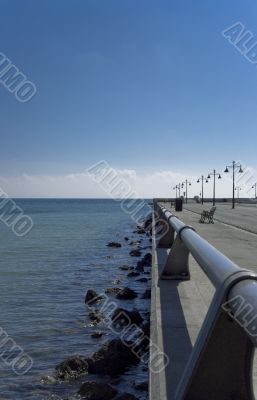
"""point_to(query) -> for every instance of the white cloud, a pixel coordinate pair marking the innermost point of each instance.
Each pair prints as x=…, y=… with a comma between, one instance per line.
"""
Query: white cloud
x=81, y=185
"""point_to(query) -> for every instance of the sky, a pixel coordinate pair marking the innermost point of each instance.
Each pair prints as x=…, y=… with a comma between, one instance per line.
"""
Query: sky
x=151, y=87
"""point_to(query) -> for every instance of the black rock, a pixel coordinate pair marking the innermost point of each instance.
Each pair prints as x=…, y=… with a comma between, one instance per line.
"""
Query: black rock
x=124, y=267
x=146, y=329
x=96, y=316
x=126, y=238
x=145, y=262
x=126, y=396
x=142, y=280
x=72, y=368
x=126, y=294
x=134, y=243
x=135, y=253
x=113, y=290
x=140, y=230
x=142, y=386
x=114, y=244
x=112, y=359
x=97, y=335
x=97, y=391
x=125, y=317
x=92, y=297
x=133, y=274
x=147, y=294
x=148, y=223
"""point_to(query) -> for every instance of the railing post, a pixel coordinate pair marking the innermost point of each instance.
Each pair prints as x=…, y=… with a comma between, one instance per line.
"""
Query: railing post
x=220, y=366
x=176, y=266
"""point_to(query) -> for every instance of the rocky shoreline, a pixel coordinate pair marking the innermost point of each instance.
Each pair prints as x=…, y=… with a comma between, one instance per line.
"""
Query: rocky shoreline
x=130, y=328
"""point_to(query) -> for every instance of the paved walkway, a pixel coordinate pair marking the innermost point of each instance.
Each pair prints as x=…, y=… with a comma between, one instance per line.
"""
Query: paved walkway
x=243, y=216
x=179, y=308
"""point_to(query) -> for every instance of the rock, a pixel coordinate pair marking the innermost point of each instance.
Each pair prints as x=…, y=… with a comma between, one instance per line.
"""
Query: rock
x=147, y=294
x=126, y=238
x=139, y=230
x=126, y=294
x=114, y=244
x=139, y=267
x=116, y=282
x=96, y=316
x=72, y=368
x=145, y=262
x=113, y=358
x=143, y=280
x=134, y=242
x=124, y=267
x=97, y=335
x=92, y=297
x=113, y=290
x=146, y=329
x=132, y=274
x=97, y=391
x=143, y=386
x=125, y=317
x=148, y=223
x=126, y=396
x=135, y=253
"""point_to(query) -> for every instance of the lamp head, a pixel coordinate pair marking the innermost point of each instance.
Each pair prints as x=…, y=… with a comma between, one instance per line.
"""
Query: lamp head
x=219, y=177
x=198, y=180
x=240, y=169
x=209, y=176
x=226, y=170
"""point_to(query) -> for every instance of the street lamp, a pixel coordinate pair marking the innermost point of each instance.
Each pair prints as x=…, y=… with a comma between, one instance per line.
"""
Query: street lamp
x=255, y=190
x=186, y=183
x=214, y=173
x=198, y=181
x=234, y=166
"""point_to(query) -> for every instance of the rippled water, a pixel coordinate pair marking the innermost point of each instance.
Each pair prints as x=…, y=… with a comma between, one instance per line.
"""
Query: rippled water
x=43, y=280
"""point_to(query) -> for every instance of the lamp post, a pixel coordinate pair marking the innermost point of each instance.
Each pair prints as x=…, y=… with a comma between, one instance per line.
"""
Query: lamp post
x=255, y=190
x=187, y=183
x=214, y=173
x=177, y=187
x=234, y=166
x=237, y=188
x=198, y=181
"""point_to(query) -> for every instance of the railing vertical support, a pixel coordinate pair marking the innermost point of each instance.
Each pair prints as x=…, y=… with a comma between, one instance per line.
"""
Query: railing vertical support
x=176, y=266
x=220, y=366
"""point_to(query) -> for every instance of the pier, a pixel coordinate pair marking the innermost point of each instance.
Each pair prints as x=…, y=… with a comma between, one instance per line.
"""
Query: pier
x=200, y=274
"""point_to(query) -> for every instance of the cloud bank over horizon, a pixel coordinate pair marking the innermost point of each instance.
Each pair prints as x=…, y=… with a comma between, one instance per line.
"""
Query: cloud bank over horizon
x=145, y=185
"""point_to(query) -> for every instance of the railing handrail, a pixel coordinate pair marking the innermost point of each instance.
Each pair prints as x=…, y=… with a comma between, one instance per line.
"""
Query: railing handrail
x=216, y=265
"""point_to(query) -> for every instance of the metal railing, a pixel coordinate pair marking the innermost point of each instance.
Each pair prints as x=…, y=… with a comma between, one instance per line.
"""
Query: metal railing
x=220, y=366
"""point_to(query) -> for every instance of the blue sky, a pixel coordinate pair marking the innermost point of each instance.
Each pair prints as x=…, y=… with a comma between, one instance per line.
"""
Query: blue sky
x=146, y=85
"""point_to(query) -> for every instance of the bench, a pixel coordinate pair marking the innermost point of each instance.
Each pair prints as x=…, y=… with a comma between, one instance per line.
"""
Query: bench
x=207, y=215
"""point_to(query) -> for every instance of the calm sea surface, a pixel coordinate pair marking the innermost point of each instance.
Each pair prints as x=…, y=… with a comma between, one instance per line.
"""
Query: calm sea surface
x=43, y=280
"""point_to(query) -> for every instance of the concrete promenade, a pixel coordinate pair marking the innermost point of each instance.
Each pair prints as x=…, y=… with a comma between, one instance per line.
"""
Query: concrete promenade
x=179, y=307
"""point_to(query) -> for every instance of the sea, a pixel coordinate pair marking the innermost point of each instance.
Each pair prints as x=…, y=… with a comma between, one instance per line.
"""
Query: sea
x=44, y=277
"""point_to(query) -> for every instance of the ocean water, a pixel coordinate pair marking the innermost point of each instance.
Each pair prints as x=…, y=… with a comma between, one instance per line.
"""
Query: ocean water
x=43, y=280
